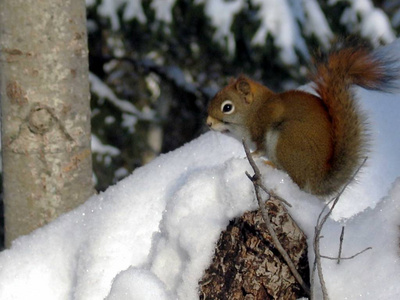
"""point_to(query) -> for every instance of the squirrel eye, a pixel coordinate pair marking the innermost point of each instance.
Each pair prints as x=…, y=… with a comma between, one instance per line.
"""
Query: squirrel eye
x=227, y=107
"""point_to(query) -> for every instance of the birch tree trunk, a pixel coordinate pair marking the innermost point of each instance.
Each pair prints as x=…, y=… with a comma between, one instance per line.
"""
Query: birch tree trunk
x=45, y=102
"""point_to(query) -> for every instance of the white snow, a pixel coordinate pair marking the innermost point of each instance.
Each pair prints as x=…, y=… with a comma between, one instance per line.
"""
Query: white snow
x=109, y=8
x=137, y=284
x=278, y=19
x=370, y=22
x=152, y=235
x=163, y=9
x=133, y=9
x=99, y=147
x=284, y=20
x=315, y=22
x=105, y=93
x=221, y=14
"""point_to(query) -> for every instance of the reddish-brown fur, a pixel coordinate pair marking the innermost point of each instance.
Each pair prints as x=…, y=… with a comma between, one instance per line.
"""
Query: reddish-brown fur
x=318, y=140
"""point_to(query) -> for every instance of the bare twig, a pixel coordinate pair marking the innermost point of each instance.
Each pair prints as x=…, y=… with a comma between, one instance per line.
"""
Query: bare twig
x=340, y=245
x=318, y=266
x=346, y=258
x=257, y=176
x=275, y=196
x=317, y=236
x=256, y=180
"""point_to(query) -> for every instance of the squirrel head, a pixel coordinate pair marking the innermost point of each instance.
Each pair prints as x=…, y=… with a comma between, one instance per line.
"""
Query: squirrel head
x=227, y=110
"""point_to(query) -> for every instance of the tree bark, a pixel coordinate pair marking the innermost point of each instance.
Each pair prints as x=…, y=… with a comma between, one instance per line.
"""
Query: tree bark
x=45, y=102
x=246, y=264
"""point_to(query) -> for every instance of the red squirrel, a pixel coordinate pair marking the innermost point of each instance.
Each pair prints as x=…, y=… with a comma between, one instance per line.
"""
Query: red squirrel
x=320, y=141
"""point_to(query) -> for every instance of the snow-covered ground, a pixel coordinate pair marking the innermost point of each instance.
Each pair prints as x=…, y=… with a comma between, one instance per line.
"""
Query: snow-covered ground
x=152, y=235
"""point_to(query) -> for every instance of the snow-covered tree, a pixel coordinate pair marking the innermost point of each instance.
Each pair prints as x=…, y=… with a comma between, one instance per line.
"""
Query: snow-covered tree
x=155, y=64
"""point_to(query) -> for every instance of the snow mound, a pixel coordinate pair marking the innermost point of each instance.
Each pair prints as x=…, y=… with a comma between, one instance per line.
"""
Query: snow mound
x=152, y=235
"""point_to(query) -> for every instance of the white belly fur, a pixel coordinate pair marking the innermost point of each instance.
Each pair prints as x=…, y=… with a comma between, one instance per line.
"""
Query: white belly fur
x=271, y=141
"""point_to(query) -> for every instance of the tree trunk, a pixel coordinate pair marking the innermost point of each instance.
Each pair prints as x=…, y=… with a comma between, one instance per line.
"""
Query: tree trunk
x=45, y=102
x=246, y=264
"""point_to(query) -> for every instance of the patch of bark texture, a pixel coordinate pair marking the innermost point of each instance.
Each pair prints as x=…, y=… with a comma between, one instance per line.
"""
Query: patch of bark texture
x=246, y=264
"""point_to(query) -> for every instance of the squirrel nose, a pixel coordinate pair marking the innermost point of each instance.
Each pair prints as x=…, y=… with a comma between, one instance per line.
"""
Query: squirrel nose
x=209, y=121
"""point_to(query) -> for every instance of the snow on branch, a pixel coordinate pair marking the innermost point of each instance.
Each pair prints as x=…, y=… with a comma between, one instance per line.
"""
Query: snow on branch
x=103, y=91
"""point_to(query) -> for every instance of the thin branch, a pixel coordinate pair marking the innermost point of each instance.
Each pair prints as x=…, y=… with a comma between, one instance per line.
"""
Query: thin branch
x=275, y=196
x=317, y=235
x=257, y=172
x=346, y=258
x=256, y=180
x=318, y=266
x=257, y=176
x=340, y=245
x=336, y=199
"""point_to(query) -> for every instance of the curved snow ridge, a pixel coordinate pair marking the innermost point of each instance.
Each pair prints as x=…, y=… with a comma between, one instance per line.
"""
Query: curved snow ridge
x=152, y=235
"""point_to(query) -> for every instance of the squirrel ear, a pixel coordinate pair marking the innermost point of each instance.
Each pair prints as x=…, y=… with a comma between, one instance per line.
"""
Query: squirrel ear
x=232, y=80
x=243, y=87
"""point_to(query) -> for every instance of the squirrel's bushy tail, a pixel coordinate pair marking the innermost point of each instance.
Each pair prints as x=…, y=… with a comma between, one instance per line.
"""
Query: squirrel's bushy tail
x=333, y=78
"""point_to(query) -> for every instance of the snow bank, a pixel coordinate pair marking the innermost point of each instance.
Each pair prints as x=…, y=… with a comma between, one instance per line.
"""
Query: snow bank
x=152, y=235
x=79, y=255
